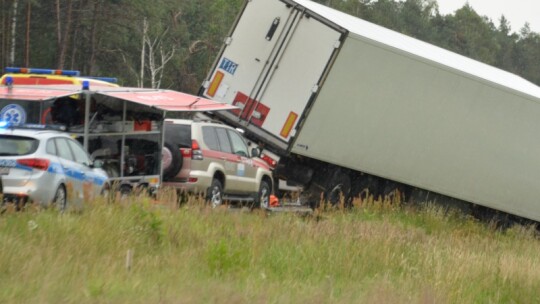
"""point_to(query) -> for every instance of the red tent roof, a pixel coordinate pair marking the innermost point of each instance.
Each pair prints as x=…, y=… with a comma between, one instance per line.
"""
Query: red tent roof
x=166, y=100
x=36, y=93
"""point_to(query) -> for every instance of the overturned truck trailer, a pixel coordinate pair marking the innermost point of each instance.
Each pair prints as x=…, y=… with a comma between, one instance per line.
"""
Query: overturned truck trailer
x=339, y=99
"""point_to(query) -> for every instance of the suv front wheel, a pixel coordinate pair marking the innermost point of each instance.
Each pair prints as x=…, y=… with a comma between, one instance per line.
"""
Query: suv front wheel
x=215, y=193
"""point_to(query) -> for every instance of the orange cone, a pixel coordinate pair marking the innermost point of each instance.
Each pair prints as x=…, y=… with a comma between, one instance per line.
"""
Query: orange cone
x=274, y=201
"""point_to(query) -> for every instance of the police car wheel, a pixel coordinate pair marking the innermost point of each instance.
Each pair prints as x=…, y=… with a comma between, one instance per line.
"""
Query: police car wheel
x=60, y=198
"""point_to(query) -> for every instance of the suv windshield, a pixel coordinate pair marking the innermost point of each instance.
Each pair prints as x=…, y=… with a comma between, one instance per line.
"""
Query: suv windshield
x=17, y=145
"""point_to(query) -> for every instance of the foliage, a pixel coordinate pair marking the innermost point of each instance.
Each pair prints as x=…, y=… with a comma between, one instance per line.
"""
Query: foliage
x=137, y=251
x=105, y=37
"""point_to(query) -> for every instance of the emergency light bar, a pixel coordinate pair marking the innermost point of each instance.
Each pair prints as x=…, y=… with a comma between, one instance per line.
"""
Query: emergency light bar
x=74, y=73
x=42, y=71
x=7, y=125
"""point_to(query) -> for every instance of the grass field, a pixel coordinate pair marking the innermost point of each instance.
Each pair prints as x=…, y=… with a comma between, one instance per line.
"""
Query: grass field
x=137, y=251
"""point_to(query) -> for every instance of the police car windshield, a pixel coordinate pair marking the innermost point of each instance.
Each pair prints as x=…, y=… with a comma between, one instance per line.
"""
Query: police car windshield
x=17, y=145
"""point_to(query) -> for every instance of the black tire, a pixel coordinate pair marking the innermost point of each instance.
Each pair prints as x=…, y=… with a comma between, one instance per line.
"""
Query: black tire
x=366, y=186
x=60, y=198
x=106, y=192
x=214, y=195
x=125, y=190
x=263, y=196
x=111, y=168
x=394, y=191
x=171, y=168
x=338, y=187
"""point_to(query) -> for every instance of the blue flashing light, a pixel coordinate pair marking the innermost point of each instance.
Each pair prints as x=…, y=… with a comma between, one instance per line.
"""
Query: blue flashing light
x=42, y=71
x=12, y=70
x=9, y=81
x=3, y=124
x=106, y=79
x=86, y=85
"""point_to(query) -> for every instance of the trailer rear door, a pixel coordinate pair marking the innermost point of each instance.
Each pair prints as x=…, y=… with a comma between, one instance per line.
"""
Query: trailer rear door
x=273, y=42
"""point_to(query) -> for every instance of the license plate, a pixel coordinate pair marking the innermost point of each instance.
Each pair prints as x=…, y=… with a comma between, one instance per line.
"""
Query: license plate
x=4, y=170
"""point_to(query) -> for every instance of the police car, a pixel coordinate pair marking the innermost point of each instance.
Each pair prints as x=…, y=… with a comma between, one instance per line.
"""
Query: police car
x=46, y=167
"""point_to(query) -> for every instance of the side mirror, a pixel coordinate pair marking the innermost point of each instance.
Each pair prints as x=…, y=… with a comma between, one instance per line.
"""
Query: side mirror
x=98, y=163
x=255, y=152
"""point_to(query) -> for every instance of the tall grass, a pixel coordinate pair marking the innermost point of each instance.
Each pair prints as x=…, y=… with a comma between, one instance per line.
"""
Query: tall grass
x=138, y=251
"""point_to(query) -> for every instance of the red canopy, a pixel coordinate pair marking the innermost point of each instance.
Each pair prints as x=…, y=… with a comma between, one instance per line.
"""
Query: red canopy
x=166, y=100
x=36, y=93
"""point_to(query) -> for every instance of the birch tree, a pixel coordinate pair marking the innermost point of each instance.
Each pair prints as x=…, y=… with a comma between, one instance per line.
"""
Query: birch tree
x=27, y=40
x=63, y=31
x=158, y=55
x=143, y=52
x=13, y=31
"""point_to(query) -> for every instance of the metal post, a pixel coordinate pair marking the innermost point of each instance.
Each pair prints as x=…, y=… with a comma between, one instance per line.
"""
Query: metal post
x=161, y=144
x=86, y=134
x=123, y=140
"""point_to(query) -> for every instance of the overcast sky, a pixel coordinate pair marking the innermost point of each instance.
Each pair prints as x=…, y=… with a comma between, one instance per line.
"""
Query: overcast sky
x=516, y=11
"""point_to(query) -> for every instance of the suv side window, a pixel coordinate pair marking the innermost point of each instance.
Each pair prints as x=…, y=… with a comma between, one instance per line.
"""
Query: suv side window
x=63, y=149
x=223, y=139
x=239, y=145
x=210, y=138
x=81, y=156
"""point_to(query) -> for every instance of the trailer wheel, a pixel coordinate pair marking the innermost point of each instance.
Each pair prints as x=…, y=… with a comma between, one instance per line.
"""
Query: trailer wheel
x=396, y=192
x=338, y=189
x=171, y=160
x=111, y=168
x=365, y=186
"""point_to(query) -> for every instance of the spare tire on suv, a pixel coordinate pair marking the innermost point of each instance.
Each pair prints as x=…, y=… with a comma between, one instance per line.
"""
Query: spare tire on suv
x=171, y=159
x=177, y=136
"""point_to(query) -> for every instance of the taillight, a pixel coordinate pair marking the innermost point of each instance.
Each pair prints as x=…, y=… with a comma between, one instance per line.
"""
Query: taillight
x=270, y=161
x=35, y=163
x=196, y=152
x=186, y=152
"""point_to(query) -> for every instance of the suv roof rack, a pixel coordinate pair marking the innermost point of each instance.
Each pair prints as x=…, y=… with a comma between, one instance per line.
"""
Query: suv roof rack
x=207, y=120
x=203, y=118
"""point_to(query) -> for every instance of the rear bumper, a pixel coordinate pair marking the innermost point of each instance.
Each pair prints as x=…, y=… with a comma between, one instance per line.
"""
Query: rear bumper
x=201, y=185
x=38, y=195
x=14, y=199
x=40, y=190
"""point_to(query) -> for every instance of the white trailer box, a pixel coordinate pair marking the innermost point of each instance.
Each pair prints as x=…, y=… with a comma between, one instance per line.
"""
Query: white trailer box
x=318, y=86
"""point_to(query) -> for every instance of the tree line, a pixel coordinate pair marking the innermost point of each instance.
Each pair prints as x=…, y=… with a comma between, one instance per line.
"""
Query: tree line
x=173, y=43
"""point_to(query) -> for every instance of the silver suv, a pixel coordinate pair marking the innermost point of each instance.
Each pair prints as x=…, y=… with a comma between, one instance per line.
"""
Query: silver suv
x=214, y=159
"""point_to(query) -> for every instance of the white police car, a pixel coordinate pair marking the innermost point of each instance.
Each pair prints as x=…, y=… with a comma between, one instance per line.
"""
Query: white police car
x=46, y=167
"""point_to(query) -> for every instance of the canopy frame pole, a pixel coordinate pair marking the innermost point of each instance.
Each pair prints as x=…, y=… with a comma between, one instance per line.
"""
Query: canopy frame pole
x=162, y=144
x=86, y=133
